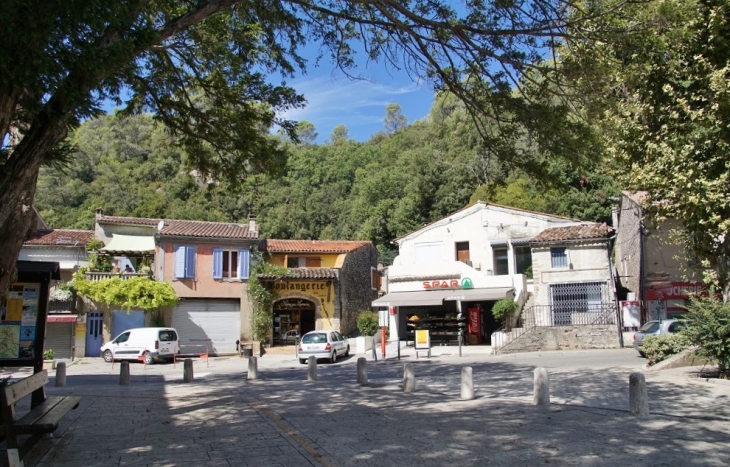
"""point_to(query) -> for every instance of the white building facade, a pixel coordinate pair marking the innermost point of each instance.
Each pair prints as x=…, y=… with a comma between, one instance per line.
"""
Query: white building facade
x=452, y=271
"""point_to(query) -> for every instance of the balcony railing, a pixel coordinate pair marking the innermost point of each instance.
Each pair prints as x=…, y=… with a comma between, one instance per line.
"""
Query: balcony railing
x=96, y=276
x=55, y=306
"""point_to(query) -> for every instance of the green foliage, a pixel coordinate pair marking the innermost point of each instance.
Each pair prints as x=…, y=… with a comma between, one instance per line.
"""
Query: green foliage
x=708, y=326
x=98, y=262
x=48, y=354
x=94, y=244
x=262, y=298
x=367, y=323
x=137, y=292
x=658, y=348
x=657, y=90
x=504, y=309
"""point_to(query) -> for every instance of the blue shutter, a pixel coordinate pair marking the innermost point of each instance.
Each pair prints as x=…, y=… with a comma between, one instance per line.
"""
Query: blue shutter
x=190, y=262
x=179, y=262
x=217, y=263
x=243, y=266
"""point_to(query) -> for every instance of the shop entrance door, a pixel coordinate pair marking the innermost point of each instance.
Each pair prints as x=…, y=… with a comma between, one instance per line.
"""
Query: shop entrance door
x=292, y=319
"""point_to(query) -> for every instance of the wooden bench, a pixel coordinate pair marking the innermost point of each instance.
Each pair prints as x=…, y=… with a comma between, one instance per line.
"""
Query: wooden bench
x=43, y=418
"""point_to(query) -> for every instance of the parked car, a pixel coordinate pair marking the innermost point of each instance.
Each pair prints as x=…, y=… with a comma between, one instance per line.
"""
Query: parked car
x=142, y=344
x=656, y=328
x=291, y=336
x=326, y=345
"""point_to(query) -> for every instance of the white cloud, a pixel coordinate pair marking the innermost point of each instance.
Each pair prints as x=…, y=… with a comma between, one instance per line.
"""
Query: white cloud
x=357, y=104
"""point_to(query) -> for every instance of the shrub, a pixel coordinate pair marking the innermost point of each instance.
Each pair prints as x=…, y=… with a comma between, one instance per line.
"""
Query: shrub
x=367, y=323
x=504, y=308
x=708, y=326
x=658, y=348
x=48, y=354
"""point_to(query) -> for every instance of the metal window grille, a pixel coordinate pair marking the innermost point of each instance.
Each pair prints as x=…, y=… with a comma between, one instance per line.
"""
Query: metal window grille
x=571, y=300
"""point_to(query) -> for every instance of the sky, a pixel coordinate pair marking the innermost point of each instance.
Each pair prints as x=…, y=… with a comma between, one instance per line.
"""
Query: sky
x=334, y=99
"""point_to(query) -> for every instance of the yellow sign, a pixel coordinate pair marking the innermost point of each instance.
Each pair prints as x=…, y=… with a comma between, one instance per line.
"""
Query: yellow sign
x=423, y=339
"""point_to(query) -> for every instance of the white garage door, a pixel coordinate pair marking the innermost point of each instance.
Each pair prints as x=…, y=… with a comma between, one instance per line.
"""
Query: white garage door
x=215, y=324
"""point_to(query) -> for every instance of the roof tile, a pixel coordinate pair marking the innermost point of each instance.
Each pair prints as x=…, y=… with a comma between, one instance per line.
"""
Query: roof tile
x=313, y=246
x=574, y=232
x=185, y=228
x=60, y=237
x=302, y=273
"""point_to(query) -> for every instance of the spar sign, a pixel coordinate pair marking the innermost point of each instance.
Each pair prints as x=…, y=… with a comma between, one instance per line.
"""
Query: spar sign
x=463, y=283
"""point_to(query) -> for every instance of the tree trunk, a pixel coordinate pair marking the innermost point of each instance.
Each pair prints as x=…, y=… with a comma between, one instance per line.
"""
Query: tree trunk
x=17, y=192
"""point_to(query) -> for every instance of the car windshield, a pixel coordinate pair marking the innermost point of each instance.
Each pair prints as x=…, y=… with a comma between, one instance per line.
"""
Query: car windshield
x=314, y=338
x=651, y=326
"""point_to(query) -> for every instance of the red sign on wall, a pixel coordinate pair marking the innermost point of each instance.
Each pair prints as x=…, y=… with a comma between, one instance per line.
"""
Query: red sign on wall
x=475, y=321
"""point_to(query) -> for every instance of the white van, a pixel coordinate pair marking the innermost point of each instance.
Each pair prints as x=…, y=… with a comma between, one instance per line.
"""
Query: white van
x=142, y=344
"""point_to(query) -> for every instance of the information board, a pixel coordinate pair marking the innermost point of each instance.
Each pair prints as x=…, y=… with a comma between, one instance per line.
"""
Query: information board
x=18, y=321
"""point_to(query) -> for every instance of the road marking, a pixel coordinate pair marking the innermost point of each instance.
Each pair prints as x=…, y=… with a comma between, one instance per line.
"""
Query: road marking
x=292, y=433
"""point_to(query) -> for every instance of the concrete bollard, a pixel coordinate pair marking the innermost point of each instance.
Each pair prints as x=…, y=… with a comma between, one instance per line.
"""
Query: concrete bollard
x=409, y=378
x=362, y=370
x=467, y=384
x=542, y=387
x=638, y=398
x=312, y=369
x=124, y=373
x=188, y=375
x=253, y=368
x=61, y=374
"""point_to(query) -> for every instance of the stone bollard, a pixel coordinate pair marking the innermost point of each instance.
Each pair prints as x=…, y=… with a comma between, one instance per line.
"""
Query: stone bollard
x=467, y=384
x=253, y=368
x=124, y=373
x=542, y=387
x=638, y=398
x=188, y=376
x=312, y=369
x=362, y=370
x=409, y=378
x=61, y=374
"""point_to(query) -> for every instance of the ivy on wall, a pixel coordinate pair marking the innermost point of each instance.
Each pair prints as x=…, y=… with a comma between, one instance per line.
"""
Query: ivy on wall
x=137, y=292
x=262, y=319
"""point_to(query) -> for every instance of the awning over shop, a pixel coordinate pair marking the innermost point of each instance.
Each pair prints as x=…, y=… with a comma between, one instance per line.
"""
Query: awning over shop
x=65, y=318
x=130, y=245
x=438, y=297
x=478, y=295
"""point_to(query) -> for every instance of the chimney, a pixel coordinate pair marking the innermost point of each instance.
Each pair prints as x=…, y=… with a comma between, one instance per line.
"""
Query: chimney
x=99, y=213
x=252, y=227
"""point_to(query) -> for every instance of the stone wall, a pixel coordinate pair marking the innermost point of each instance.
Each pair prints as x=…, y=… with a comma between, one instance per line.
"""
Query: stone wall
x=356, y=292
x=565, y=338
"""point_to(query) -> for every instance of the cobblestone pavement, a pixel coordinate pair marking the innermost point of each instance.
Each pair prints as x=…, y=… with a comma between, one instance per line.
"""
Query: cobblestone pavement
x=223, y=419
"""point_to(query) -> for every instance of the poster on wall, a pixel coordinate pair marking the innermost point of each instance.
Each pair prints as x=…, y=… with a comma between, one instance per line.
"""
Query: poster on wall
x=18, y=321
x=631, y=314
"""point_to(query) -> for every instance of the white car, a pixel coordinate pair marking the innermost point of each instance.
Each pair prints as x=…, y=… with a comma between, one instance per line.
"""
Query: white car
x=326, y=345
x=656, y=328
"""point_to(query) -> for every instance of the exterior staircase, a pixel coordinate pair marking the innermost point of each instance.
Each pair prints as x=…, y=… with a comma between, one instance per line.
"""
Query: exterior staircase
x=521, y=323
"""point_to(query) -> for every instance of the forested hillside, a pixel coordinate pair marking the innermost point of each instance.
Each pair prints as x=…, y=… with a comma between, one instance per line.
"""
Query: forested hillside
x=378, y=190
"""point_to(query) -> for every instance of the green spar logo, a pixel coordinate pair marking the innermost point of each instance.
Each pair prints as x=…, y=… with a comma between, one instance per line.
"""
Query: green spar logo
x=466, y=283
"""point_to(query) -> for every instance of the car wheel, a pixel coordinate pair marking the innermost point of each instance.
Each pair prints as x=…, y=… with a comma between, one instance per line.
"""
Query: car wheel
x=334, y=356
x=302, y=361
x=147, y=358
x=347, y=351
x=641, y=352
x=107, y=356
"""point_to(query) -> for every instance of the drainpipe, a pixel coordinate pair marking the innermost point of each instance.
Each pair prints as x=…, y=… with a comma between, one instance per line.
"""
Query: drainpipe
x=619, y=322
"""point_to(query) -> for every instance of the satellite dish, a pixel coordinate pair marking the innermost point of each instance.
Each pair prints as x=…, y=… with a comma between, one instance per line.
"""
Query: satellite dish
x=160, y=225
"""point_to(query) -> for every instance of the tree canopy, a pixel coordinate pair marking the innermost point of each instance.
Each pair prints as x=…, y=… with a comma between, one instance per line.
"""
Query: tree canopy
x=660, y=98
x=205, y=69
